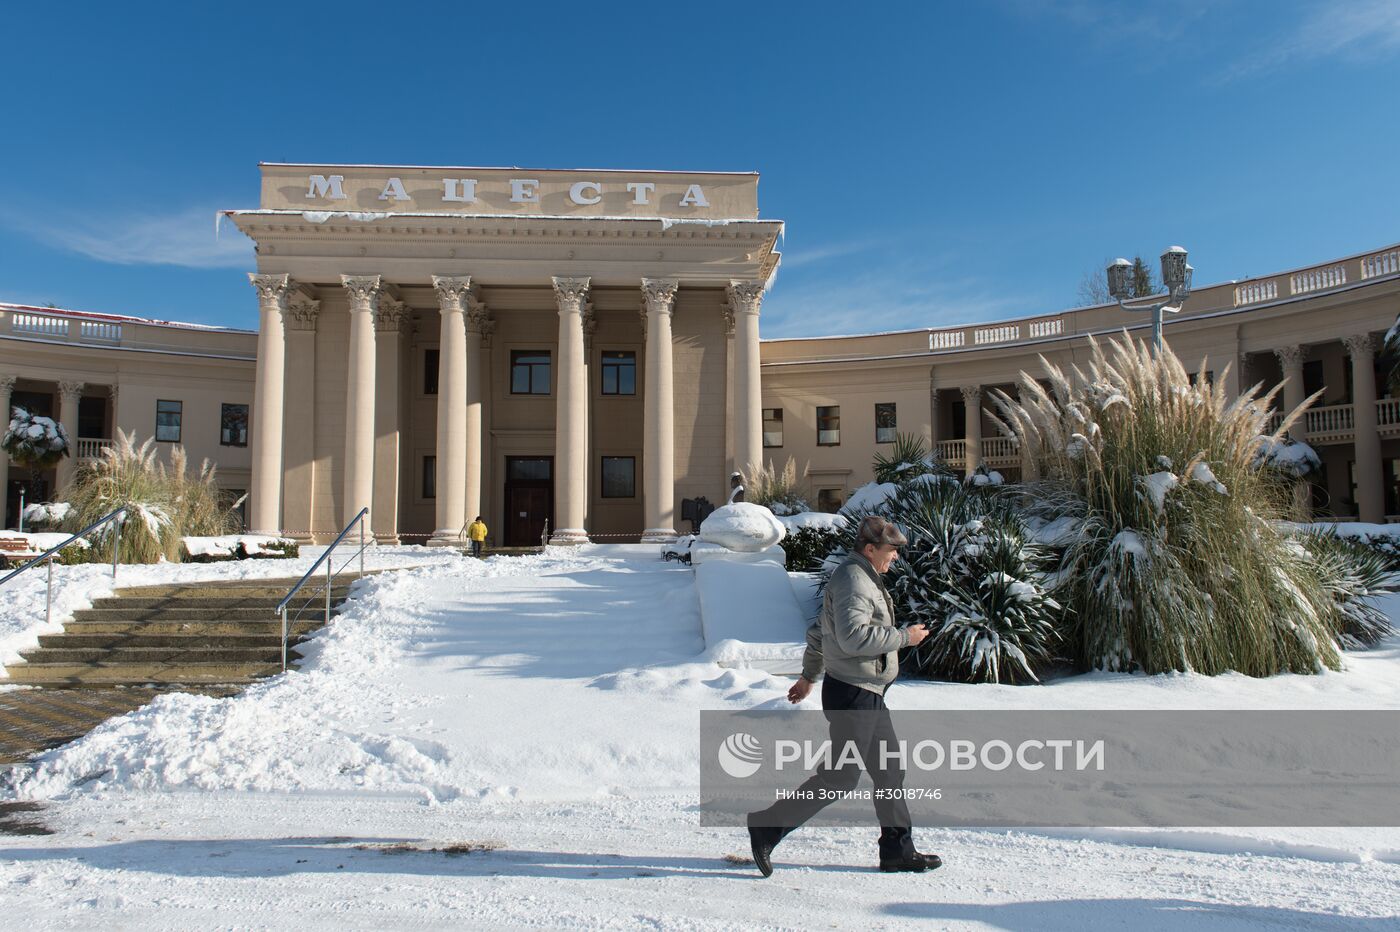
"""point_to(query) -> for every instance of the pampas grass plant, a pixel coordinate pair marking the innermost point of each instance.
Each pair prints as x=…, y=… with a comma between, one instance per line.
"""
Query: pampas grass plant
x=1180, y=562
x=164, y=503
x=776, y=489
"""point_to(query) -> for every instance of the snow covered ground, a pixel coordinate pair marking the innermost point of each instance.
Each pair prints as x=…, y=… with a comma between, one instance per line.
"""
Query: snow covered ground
x=542, y=713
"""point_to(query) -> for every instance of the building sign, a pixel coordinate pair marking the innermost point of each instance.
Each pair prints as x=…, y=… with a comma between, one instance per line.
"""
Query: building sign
x=510, y=191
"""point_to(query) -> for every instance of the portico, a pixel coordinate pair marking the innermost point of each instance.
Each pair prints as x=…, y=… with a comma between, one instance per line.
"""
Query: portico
x=474, y=328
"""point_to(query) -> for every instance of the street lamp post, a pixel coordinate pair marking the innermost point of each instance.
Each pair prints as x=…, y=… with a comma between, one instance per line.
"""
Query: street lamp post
x=1176, y=275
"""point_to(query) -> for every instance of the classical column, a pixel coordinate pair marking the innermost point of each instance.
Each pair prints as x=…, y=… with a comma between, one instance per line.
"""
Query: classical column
x=265, y=505
x=479, y=323
x=729, y=467
x=299, y=318
x=972, y=408
x=1290, y=358
x=658, y=415
x=571, y=420
x=69, y=395
x=745, y=297
x=933, y=425
x=391, y=321
x=1370, y=492
x=451, y=409
x=7, y=387
x=364, y=292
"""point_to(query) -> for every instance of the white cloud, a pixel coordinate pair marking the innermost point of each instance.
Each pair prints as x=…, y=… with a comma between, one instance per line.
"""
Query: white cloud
x=185, y=238
x=1359, y=30
x=796, y=257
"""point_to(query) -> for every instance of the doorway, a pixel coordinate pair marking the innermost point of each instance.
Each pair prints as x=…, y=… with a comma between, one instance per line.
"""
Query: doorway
x=529, y=499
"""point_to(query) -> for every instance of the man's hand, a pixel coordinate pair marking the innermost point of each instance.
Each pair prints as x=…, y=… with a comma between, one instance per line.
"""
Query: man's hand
x=799, y=690
x=917, y=633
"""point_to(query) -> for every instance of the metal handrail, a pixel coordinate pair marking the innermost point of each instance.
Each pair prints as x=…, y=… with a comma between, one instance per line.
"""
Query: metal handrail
x=48, y=555
x=330, y=573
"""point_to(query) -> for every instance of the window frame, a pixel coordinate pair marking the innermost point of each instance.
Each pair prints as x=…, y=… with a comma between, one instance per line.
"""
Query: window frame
x=223, y=408
x=894, y=416
x=776, y=417
x=603, y=478
x=829, y=430
x=427, y=491
x=616, y=366
x=179, y=413
x=547, y=365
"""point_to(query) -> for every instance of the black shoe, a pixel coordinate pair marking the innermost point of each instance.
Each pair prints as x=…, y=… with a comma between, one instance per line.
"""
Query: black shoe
x=762, y=841
x=915, y=863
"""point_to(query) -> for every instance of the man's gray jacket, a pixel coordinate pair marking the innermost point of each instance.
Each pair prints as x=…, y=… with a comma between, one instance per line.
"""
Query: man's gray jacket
x=854, y=637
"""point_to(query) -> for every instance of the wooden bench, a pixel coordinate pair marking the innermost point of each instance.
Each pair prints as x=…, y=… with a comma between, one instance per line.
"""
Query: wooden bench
x=16, y=550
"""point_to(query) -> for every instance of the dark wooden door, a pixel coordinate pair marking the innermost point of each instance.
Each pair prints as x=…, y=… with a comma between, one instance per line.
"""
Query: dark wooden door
x=529, y=499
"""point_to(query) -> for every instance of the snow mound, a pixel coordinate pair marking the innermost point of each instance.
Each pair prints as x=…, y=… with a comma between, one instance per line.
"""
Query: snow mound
x=706, y=552
x=227, y=545
x=871, y=497
x=750, y=616
x=817, y=519
x=742, y=526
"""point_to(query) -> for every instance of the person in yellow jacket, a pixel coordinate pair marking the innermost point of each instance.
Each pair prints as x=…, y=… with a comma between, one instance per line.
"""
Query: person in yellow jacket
x=476, y=533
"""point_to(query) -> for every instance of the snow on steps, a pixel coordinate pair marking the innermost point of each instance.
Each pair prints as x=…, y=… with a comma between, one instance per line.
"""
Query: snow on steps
x=194, y=634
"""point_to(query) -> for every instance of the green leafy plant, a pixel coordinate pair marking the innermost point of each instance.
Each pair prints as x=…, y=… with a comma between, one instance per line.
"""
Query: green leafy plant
x=807, y=547
x=908, y=459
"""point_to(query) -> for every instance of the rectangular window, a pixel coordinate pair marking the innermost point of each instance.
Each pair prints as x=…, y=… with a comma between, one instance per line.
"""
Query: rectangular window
x=92, y=417
x=619, y=477
x=430, y=371
x=430, y=477
x=529, y=372
x=233, y=426
x=772, y=427
x=620, y=373
x=829, y=500
x=168, y=420
x=1194, y=378
x=829, y=426
x=884, y=422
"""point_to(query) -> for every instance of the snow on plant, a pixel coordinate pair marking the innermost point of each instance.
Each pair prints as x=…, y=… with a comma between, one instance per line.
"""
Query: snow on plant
x=1178, y=563
x=973, y=574
x=34, y=441
x=777, y=490
x=163, y=503
x=1354, y=574
x=45, y=514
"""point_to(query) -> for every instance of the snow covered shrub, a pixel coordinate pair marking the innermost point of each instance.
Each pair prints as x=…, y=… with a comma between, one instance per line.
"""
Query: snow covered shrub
x=34, y=442
x=43, y=516
x=908, y=459
x=1354, y=575
x=972, y=573
x=807, y=547
x=163, y=504
x=1178, y=562
x=778, y=491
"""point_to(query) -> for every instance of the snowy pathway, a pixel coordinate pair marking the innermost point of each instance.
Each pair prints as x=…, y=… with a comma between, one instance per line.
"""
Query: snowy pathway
x=548, y=706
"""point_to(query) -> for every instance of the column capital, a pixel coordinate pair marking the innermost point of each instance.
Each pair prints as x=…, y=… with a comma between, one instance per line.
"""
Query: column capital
x=71, y=389
x=590, y=324
x=745, y=297
x=392, y=315
x=272, y=289
x=452, y=291
x=7, y=384
x=972, y=394
x=1361, y=344
x=1290, y=355
x=570, y=294
x=659, y=295
x=301, y=311
x=364, y=291
x=728, y=313
x=479, y=319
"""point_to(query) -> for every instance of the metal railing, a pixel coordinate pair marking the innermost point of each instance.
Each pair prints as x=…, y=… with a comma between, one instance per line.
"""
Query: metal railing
x=48, y=555
x=331, y=573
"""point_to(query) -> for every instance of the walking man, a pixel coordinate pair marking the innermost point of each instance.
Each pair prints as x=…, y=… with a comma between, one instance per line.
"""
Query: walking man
x=855, y=640
x=476, y=533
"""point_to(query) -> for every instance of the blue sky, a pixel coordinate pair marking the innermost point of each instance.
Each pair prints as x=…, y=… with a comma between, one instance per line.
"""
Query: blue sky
x=935, y=162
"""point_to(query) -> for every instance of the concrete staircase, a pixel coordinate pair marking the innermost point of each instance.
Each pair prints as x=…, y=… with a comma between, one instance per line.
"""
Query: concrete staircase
x=190, y=635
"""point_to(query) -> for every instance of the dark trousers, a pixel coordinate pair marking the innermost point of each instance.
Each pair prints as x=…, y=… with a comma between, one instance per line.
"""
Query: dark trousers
x=866, y=731
x=476, y=548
